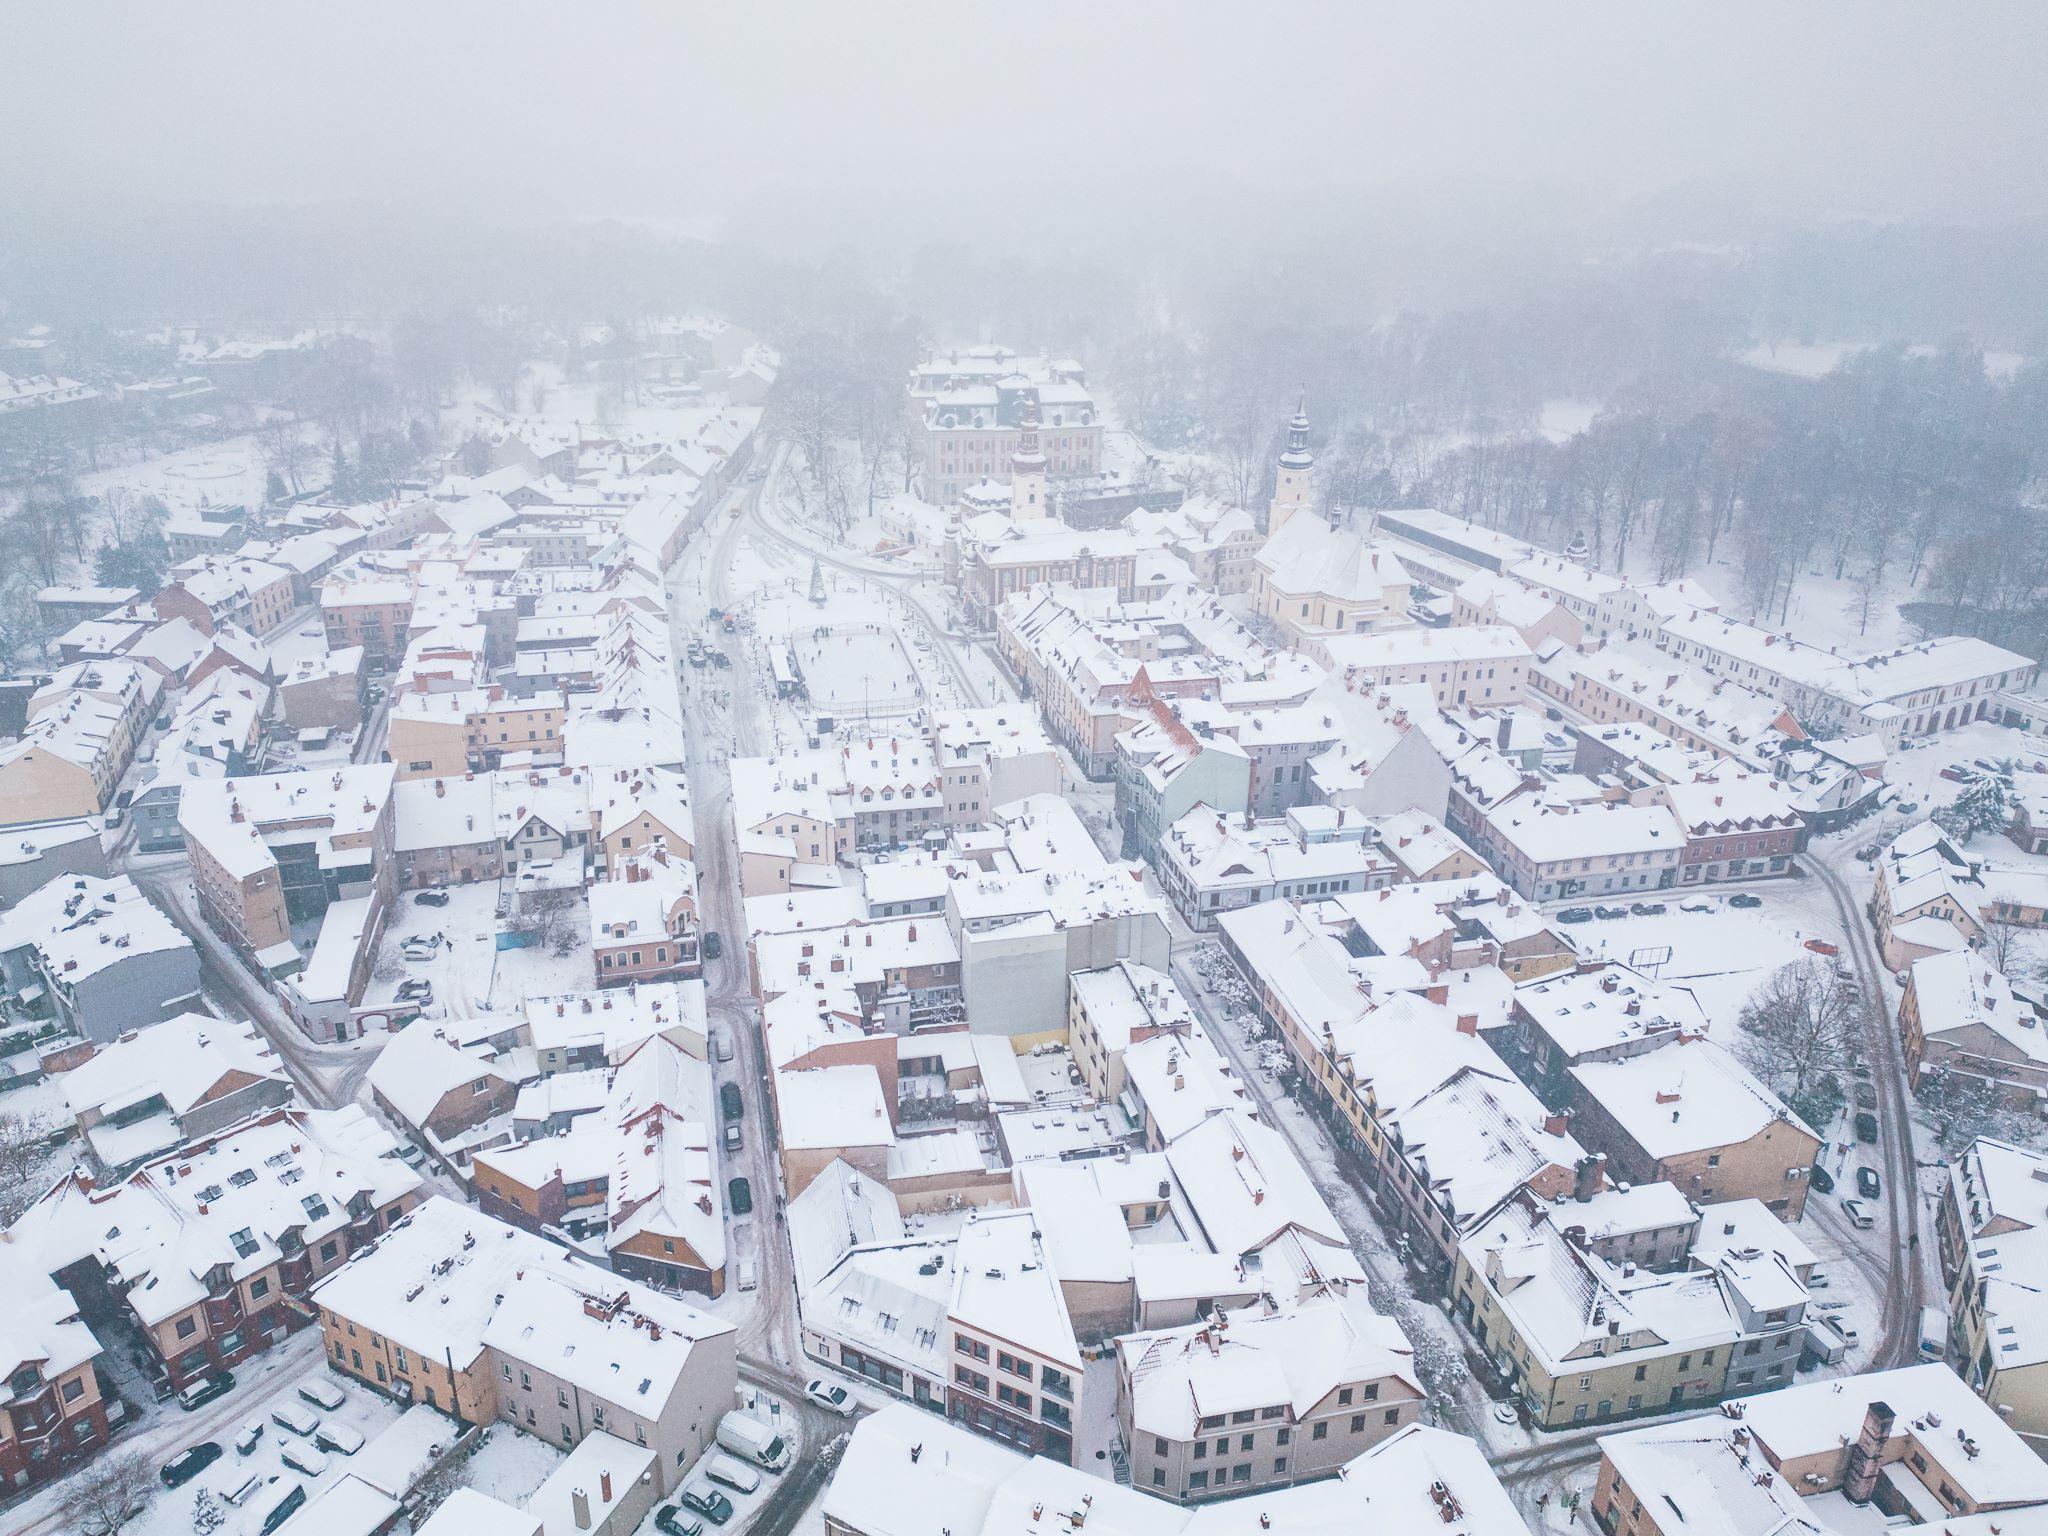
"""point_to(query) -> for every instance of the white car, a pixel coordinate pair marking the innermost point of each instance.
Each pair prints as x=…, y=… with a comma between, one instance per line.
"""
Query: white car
x=833, y=1399
x=1858, y=1217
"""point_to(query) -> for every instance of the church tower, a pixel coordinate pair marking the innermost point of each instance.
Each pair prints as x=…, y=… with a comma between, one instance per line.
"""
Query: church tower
x=1290, y=494
x=1027, y=469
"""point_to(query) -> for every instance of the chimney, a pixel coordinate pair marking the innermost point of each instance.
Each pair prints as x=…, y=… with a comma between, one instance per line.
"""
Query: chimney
x=579, y=1503
x=604, y=1486
x=1557, y=1124
x=1468, y=1023
x=1438, y=994
x=1866, y=1456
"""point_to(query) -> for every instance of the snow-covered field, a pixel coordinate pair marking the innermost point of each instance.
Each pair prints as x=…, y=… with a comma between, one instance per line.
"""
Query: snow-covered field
x=1723, y=953
x=467, y=970
x=858, y=671
x=223, y=474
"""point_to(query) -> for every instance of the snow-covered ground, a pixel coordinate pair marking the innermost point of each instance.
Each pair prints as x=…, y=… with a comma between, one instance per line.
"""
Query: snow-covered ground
x=467, y=970
x=169, y=1512
x=224, y=474
x=1724, y=953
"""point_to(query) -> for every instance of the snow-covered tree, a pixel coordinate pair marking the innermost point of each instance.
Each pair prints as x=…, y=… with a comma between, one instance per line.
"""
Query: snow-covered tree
x=207, y=1515
x=1798, y=1034
x=1965, y=1107
x=1983, y=807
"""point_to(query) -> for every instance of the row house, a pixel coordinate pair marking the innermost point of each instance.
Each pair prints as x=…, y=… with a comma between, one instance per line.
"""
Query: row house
x=213, y=1249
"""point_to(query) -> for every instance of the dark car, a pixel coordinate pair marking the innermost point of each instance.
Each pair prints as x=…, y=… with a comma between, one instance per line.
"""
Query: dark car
x=1576, y=915
x=671, y=1521
x=1744, y=899
x=1820, y=1179
x=1866, y=1095
x=189, y=1463
x=1609, y=914
x=1866, y=1126
x=714, y=946
x=1647, y=908
x=430, y=898
x=739, y=1194
x=199, y=1393
x=1909, y=807
x=1866, y=1183
x=729, y=1101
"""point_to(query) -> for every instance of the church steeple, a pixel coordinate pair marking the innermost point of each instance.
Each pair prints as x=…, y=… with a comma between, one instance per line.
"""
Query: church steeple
x=1027, y=467
x=1290, y=490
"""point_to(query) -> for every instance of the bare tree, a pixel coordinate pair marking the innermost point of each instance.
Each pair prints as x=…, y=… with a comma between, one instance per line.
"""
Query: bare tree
x=28, y=1162
x=1798, y=1034
x=287, y=450
x=1965, y=1107
x=108, y=1492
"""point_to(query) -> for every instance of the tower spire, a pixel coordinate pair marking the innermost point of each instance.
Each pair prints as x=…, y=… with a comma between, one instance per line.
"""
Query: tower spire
x=1290, y=489
x=1027, y=467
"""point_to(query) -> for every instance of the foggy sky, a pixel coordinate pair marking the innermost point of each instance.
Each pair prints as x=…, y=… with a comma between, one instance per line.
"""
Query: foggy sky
x=686, y=112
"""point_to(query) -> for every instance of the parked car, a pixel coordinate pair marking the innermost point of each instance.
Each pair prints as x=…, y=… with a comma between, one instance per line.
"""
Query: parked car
x=698, y=1494
x=1820, y=1179
x=1909, y=807
x=1695, y=906
x=739, y=1196
x=1817, y=1279
x=712, y=945
x=295, y=1420
x=1576, y=915
x=732, y=1473
x=278, y=1506
x=671, y=1521
x=1866, y=1183
x=1823, y=947
x=1647, y=908
x=189, y=1463
x=301, y=1457
x=410, y=1153
x=338, y=1438
x=732, y=1137
x=725, y=1046
x=1866, y=1126
x=420, y=946
x=831, y=1397
x=322, y=1393
x=434, y=897
x=1866, y=1095
x=1858, y=1217
x=204, y=1391
x=1745, y=899
x=729, y=1102
x=1957, y=775
x=416, y=988
x=1839, y=1321
x=1608, y=914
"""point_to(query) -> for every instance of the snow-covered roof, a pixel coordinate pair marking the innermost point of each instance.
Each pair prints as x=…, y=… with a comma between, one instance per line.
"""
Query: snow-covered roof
x=1685, y=1097
x=1293, y=1356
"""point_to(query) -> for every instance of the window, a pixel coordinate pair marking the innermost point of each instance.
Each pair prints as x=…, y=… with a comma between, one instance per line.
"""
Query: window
x=259, y=1288
x=1282, y=1435
x=1159, y=1477
x=1393, y=1416
x=1241, y=1416
x=1358, y=1423
x=187, y=1326
x=1320, y=1432
x=1201, y=1450
x=1344, y=1397
x=1198, y=1480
